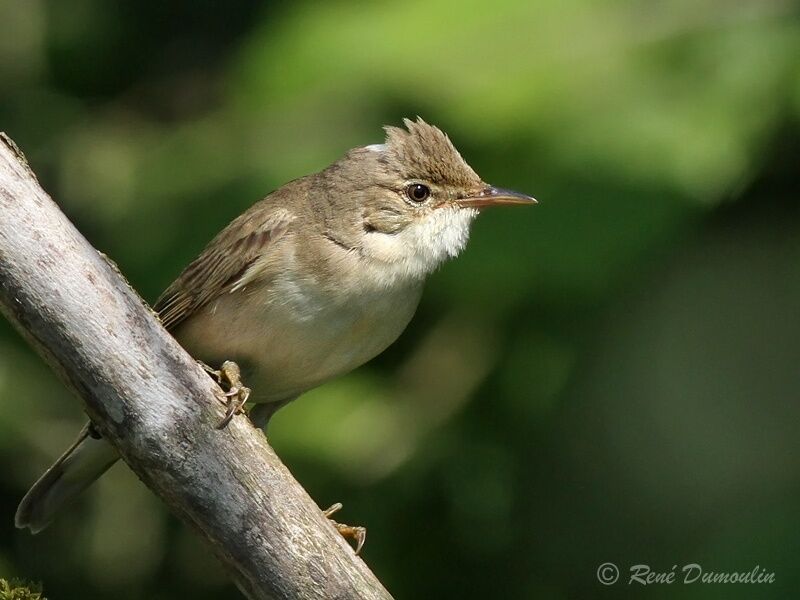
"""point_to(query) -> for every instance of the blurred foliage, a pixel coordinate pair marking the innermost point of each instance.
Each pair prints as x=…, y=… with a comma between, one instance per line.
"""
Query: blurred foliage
x=19, y=590
x=610, y=376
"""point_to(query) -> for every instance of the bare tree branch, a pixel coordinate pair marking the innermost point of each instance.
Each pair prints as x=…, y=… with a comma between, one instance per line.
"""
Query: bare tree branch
x=149, y=398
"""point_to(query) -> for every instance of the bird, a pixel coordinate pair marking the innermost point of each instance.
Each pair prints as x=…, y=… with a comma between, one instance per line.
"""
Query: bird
x=309, y=283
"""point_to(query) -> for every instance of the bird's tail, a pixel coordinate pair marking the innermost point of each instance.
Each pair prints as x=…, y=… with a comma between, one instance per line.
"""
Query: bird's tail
x=83, y=462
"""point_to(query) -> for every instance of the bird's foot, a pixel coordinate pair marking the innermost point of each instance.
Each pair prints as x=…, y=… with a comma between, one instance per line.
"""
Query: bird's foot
x=348, y=532
x=229, y=377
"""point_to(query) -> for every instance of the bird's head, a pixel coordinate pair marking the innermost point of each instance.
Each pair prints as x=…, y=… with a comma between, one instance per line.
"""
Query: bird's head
x=411, y=199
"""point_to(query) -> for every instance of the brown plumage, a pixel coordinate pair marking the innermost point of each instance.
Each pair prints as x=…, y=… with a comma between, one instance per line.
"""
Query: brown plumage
x=223, y=264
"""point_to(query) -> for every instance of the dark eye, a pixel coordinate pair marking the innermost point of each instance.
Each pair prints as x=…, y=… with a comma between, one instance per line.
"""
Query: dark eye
x=418, y=192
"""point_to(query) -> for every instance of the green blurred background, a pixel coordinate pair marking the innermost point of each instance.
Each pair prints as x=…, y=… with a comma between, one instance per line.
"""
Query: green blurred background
x=610, y=376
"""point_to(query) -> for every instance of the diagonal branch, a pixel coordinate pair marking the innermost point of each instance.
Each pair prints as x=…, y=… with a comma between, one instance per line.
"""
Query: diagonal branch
x=149, y=398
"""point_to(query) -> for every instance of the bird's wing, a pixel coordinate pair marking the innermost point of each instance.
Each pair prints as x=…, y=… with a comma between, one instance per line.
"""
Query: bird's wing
x=226, y=265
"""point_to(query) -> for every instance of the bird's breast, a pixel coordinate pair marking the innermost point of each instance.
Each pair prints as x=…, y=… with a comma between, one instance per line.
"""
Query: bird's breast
x=297, y=333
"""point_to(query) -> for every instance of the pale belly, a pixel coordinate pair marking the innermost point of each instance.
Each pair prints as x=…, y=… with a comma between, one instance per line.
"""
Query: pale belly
x=289, y=347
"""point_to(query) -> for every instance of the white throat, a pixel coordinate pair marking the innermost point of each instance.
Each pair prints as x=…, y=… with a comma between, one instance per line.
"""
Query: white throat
x=419, y=248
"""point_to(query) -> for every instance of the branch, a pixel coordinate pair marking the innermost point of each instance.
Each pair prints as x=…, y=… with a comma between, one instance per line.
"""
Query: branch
x=150, y=399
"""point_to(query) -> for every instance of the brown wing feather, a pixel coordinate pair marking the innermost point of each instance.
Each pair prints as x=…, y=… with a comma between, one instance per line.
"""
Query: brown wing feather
x=223, y=263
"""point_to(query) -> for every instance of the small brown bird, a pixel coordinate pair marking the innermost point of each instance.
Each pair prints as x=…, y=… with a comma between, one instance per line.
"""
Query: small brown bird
x=308, y=284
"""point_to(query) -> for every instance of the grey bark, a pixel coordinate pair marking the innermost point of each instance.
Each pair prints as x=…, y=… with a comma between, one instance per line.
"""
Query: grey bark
x=150, y=399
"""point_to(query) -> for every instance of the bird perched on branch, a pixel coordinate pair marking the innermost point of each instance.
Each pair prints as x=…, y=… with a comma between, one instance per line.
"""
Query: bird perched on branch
x=307, y=284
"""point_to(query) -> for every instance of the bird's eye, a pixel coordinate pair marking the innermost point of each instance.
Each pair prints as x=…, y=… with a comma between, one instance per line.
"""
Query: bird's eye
x=417, y=192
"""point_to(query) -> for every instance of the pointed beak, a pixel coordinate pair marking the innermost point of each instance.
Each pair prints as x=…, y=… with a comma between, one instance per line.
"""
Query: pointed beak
x=494, y=196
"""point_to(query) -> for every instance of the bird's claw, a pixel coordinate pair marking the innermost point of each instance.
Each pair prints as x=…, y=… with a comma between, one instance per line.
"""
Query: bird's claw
x=348, y=532
x=230, y=376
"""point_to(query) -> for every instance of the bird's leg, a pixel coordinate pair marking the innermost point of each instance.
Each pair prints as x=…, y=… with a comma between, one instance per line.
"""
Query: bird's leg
x=237, y=394
x=229, y=377
x=357, y=534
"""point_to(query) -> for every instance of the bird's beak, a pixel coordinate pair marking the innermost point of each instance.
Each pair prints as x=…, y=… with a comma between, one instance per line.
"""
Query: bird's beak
x=494, y=196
